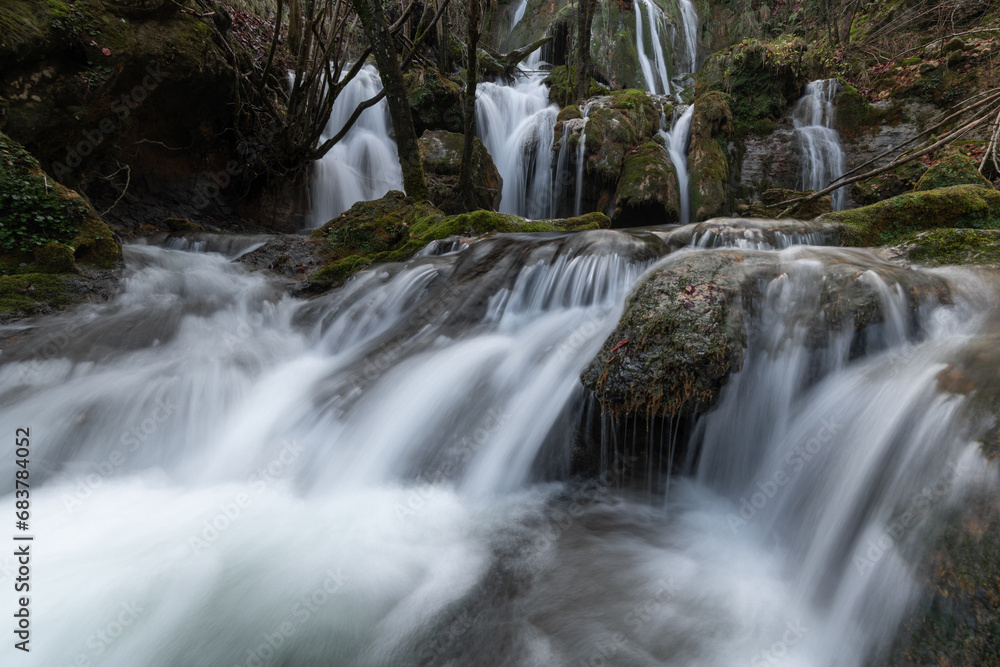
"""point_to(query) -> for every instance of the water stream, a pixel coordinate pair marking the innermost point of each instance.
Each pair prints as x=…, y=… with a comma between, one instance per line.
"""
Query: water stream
x=677, y=140
x=819, y=143
x=224, y=475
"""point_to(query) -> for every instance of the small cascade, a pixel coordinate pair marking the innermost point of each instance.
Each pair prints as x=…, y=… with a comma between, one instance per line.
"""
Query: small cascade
x=819, y=143
x=518, y=15
x=689, y=17
x=581, y=149
x=516, y=124
x=364, y=165
x=677, y=146
x=653, y=85
x=562, y=169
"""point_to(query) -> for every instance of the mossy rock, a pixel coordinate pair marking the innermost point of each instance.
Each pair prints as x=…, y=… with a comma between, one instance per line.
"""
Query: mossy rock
x=563, y=90
x=889, y=221
x=394, y=228
x=647, y=191
x=40, y=220
x=764, y=78
x=853, y=115
x=953, y=169
x=616, y=124
x=29, y=294
x=892, y=183
x=711, y=127
x=686, y=326
x=441, y=155
x=937, y=247
x=435, y=101
x=770, y=205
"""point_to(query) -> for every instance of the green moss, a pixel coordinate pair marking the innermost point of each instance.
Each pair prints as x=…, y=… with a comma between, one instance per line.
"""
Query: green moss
x=892, y=183
x=31, y=293
x=711, y=126
x=953, y=169
x=647, y=191
x=954, y=246
x=886, y=222
x=853, y=114
x=394, y=228
x=563, y=90
x=435, y=101
x=38, y=215
x=569, y=112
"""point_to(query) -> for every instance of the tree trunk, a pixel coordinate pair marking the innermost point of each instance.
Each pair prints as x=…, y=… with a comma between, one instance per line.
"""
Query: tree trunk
x=444, y=44
x=584, y=20
x=294, y=25
x=466, y=188
x=377, y=30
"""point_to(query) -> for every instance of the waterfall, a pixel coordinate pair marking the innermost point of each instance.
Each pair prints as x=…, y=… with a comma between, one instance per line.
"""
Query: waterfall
x=677, y=140
x=581, y=149
x=819, y=143
x=362, y=166
x=518, y=15
x=648, y=75
x=516, y=123
x=222, y=474
x=689, y=18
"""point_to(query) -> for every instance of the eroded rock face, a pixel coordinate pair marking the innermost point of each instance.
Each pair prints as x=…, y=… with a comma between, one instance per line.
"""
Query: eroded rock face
x=647, y=191
x=686, y=327
x=707, y=159
x=441, y=154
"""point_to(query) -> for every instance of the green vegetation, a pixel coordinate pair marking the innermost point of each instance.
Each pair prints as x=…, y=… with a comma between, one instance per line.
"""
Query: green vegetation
x=889, y=221
x=395, y=228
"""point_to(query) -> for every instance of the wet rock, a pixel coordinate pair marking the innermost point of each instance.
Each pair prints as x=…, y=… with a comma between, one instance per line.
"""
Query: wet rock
x=751, y=233
x=711, y=127
x=647, y=191
x=770, y=205
x=686, y=327
x=435, y=101
x=441, y=154
x=937, y=247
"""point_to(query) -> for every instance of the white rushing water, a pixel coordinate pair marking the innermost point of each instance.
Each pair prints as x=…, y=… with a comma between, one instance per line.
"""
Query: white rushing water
x=516, y=123
x=362, y=166
x=658, y=80
x=677, y=140
x=224, y=475
x=581, y=150
x=820, y=150
x=689, y=18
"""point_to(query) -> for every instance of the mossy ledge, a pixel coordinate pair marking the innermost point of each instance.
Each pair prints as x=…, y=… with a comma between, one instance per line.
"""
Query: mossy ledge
x=48, y=234
x=394, y=228
x=891, y=220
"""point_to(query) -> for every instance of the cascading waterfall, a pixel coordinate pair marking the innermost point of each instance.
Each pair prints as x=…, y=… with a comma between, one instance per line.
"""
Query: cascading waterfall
x=373, y=477
x=362, y=166
x=677, y=140
x=689, y=18
x=581, y=149
x=660, y=80
x=518, y=15
x=516, y=124
x=819, y=143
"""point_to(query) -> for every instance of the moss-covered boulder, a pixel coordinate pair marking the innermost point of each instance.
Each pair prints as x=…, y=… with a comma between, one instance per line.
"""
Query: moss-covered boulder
x=952, y=169
x=770, y=205
x=853, y=115
x=562, y=88
x=892, y=183
x=711, y=127
x=889, y=221
x=686, y=326
x=764, y=78
x=937, y=247
x=616, y=124
x=441, y=154
x=435, y=101
x=48, y=234
x=647, y=191
x=394, y=228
